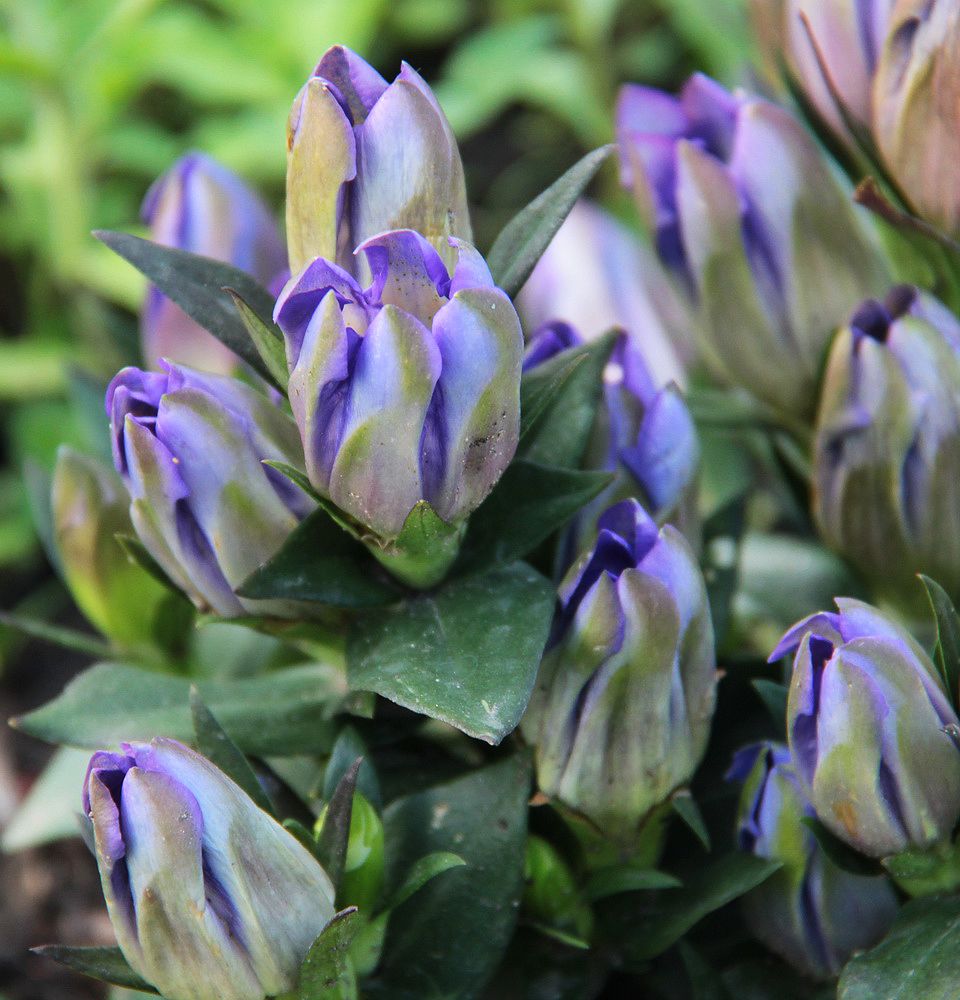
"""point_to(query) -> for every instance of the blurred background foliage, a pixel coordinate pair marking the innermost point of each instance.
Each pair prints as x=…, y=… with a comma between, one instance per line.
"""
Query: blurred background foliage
x=98, y=97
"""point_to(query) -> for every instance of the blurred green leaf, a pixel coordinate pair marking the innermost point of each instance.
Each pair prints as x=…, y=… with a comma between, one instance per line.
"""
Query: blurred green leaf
x=105, y=964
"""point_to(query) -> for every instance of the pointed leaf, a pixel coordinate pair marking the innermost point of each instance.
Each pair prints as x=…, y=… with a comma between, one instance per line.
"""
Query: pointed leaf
x=685, y=806
x=621, y=878
x=304, y=835
x=527, y=235
x=947, y=651
x=106, y=964
x=347, y=748
x=326, y=973
x=197, y=284
x=774, y=697
x=466, y=654
x=267, y=339
x=422, y=871
x=841, y=854
x=217, y=747
x=68, y=638
x=540, y=386
x=335, y=835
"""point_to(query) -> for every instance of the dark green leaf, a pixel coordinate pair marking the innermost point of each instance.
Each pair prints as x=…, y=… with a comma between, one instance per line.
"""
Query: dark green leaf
x=947, y=651
x=622, y=878
x=705, y=983
x=919, y=957
x=285, y=712
x=347, y=748
x=561, y=432
x=106, y=964
x=217, y=747
x=422, y=871
x=326, y=973
x=300, y=479
x=335, y=834
x=321, y=563
x=774, y=697
x=448, y=939
x=68, y=638
x=528, y=504
x=467, y=654
x=424, y=550
x=706, y=890
x=841, y=854
x=685, y=806
x=540, y=386
x=304, y=835
x=267, y=339
x=197, y=284
x=524, y=238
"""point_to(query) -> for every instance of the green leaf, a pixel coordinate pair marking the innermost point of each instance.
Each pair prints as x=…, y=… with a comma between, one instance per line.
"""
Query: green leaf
x=774, y=697
x=335, y=834
x=347, y=748
x=841, y=854
x=919, y=957
x=467, y=654
x=561, y=432
x=320, y=562
x=267, y=339
x=448, y=938
x=303, y=834
x=217, y=747
x=136, y=551
x=284, y=712
x=106, y=964
x=422, y=871
x=622, y=878
x=685, y=806
x=711, y=887
x=540, y=386
x=524, y=238
x=68, y=638
x=528, y=504
x=424, y=550
x=947, y=651
x=197, y=284
x=326, y=973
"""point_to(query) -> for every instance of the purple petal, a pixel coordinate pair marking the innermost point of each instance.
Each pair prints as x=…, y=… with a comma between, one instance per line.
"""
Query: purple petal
x=359, y=85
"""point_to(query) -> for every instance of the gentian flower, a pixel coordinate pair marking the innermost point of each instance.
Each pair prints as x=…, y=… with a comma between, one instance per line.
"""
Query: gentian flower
x=200, y=206
x=208, y=895
x=190, y=448
x=887, y=447
x=364, y=157
x=753, y=223
x=621, y=709
x=596, y=275
x=865, y=720
x=812, y=913
x=916, y=93
x=406, y=390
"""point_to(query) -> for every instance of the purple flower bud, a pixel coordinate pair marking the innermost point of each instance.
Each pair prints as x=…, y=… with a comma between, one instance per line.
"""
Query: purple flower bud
x=751, y=244
x=208, y=895
x=865, y=720
x=200, y=206
x=621, y=710
x=812, y=913
x=644, y=434
x=365, y=157
x=190, y=448
x=406, y=390
x=596, y=275
x=887, y=447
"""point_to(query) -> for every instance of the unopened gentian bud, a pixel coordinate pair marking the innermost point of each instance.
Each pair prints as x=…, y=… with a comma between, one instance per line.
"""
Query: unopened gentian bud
x=865, y=722
x=771, y=258
x=406, y=390
x=643, y=434
x=200, y=206
x=208, y=895
x=190, y=448
x=551, y=895
x=596, y=275
x=811, y=912
x=887, y=446
x=365, y=156
x=90, y=509
x=621, y=709
x=917, y=91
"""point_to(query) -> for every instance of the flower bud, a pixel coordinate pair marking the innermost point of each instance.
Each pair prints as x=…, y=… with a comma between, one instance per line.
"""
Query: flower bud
x=365, y=157
x=208, y=895
x=621, y=709
x=865, y=720
x=202, y=207
x=771, y=257
x=916, y=94
x=364, y=864
x=887, y=446
x=812, y=913
x=190, y=448
x=596, y=275
x=643, y=434
x=551, y=896
x=407, y=390
x=90, y=508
